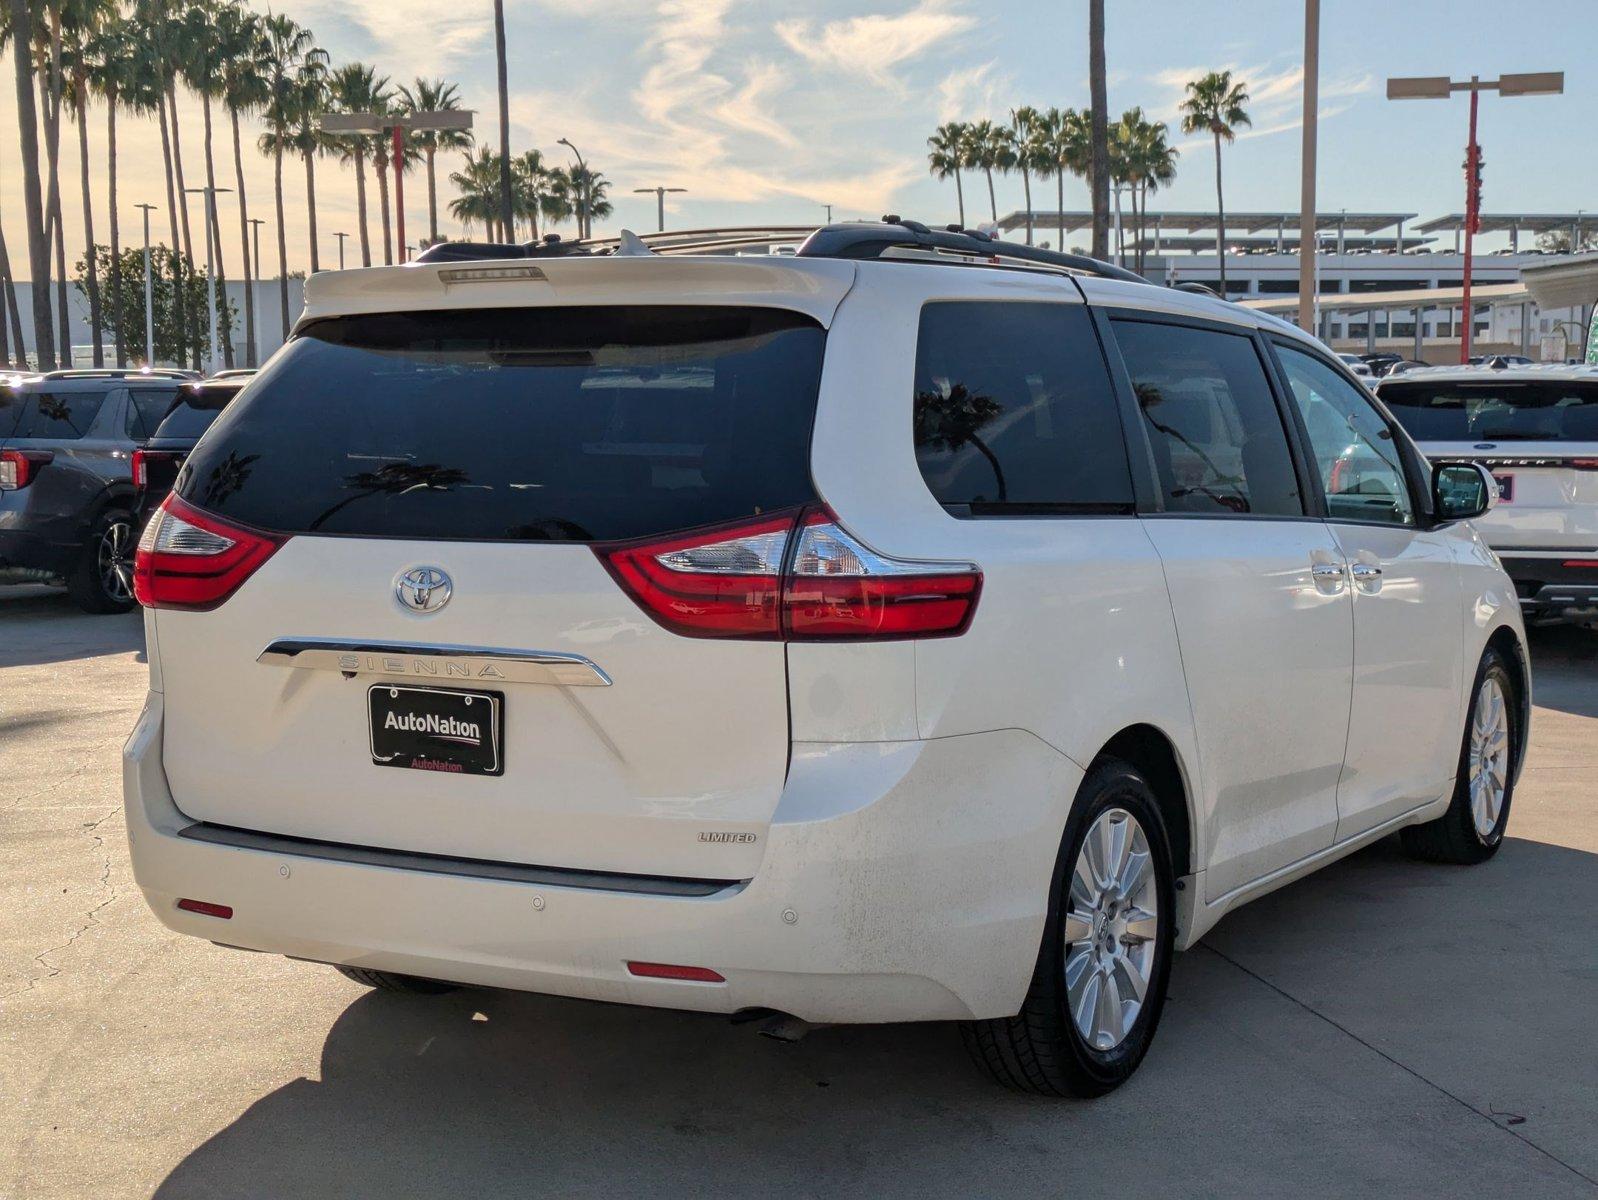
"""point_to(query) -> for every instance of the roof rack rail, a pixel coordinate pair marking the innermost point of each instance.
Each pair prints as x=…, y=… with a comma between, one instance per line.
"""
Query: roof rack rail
x=119, y=373
x=866, y=239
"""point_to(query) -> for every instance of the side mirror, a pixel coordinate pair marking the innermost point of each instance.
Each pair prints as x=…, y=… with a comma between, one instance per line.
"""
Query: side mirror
x=1462, y=490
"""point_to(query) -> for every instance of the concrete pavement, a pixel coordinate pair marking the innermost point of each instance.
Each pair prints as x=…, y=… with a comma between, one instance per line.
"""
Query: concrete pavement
x=1382, y=1027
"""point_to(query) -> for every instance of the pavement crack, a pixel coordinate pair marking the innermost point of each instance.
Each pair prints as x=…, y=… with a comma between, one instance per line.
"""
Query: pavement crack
x=1402, y=1066
x=91, y=919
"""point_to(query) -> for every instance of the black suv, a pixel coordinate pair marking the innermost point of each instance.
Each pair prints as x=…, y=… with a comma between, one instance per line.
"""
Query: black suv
x=156, y=463
x=66, y=478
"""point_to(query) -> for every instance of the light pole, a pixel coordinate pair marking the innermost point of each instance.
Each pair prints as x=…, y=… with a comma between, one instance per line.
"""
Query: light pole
x=582, y=188
x=210, y=262
x=341, y=237
x=255, y=230
x=660, y=203
x=829, y=213
x=1441, y=87
x=395, y=125
x=1308, y=227
x=149, y=306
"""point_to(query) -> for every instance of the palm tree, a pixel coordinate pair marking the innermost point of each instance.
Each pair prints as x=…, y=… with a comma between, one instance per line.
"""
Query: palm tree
x=382, y=153
x=287, y=44
x=1214, y=105
x=1068, y=150
x=242, y=47
x=356, y=87
x=1026, y=153
x=113, y=67
x=1147, y=163
x=84, y=21
x=946, y=156
x=156, y=32
x=435, y=95
x=1099, y=131
x=203, y=70
x=532, y=190
x=309, y=103
x=19, y=29
x=478, y=186
x=50, y=47
x=987, y=152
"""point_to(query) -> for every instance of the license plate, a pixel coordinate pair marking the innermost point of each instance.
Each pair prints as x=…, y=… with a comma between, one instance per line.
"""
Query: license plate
x=1506, y=487
x=436, y=729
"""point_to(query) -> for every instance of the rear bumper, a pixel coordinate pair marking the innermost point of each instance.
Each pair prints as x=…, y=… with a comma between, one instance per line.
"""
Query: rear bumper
x=1555, y=586
x=900, y=881
x=23, y=551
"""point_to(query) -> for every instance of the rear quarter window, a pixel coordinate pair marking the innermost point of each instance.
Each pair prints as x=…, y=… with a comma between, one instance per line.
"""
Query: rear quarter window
x=1015, y=413
x=536, y=424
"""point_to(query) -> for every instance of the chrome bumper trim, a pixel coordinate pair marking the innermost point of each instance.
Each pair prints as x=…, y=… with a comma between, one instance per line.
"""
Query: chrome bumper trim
x=481, y=664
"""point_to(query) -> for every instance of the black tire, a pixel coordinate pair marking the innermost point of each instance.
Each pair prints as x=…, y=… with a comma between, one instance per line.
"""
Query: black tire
x=388, y=981
x=1454, y=837
x=107, y=556
x=1040, y=1050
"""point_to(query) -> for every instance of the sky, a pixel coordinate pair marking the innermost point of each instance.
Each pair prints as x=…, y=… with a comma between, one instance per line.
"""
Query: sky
x=766, y=112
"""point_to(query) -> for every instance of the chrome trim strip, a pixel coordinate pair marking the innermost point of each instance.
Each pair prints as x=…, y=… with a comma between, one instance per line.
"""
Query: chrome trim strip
x=444, y=864
x=482, y=664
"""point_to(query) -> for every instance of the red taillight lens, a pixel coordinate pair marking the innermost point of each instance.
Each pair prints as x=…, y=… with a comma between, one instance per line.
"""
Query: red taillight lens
x=18, y=467
x=190, y=559
x=140, y=473
x=1584, y=464
x=741, y=582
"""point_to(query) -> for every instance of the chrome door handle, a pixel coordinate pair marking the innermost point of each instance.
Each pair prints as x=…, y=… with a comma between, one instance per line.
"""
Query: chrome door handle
x=1367, y=577
x=1328, y=577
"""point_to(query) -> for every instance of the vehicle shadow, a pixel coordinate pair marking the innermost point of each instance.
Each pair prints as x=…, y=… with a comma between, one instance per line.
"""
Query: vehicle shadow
x=1249, y=1088
x=40, y=625
x=1564, y=668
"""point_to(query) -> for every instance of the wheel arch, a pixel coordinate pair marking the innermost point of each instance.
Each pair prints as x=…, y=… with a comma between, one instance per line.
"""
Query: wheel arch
x=1508, y=643
x=1152, y=752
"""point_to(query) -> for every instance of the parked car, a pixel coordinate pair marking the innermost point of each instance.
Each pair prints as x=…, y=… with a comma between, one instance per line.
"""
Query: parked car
x=156, y=463
x=66, y=483
x=1536, y=428
x=1357, y=366
x=920, y=627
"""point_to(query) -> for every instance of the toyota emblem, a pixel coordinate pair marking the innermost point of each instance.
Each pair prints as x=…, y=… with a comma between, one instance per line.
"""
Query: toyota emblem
x=424, y=589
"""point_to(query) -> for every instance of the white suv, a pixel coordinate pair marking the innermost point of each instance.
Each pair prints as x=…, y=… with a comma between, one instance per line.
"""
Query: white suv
x=913, y=628
x=1536, y=429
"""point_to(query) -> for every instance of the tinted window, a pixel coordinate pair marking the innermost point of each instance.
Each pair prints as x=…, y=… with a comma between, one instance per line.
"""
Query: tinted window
x=146, y=407
x=1355, y=453
x=58, y=414
x=1014, y=410
x=194, y=411
x=1217, y=437
x=1437, y=410
x=564, y=424
x=10, y=409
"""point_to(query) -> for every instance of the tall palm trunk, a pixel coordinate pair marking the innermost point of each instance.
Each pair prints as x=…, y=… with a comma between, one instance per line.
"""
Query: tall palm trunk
x=1220, y=216
x=32, y=199
x=116, y=234
x=282, y=239
x=993, y=203
x=244, y=243
x=1026, y=190
x=310, y=206
x=959, y=196
x=177, y=166
x=1059, y=191
x=179, y=306
x=91, y=275
x=8, y=304
x=214, y=219
x=432, y=200
x=380, y=162
x=52, y=143
x=1099, y=131
x=360, y=204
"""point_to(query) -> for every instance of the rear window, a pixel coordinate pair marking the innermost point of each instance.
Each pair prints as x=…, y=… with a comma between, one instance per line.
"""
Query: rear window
x=542, y=424
x=1015, y=413
x=196, y=408
x=58, y=415
x=1495, y=411
x=146, y=407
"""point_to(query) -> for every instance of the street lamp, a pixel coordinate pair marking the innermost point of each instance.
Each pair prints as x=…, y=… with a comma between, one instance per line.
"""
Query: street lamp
x=340, y=236
x=210, y=259
x=1441, y=87
x=149, y=306
x=582, y=188
x=396, y=124
x=660, y=203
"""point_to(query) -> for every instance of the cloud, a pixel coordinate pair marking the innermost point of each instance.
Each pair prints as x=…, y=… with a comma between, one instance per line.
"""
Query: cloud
x=1276, y=96
x=871, y=46
x=973, y=92
x=746, y=110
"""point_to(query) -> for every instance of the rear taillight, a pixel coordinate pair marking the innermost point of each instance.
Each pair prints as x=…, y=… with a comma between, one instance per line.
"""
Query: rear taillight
x=140, y=472
x=1583, y=464
x=190, y=559
x=798, y=576
x=18, y=467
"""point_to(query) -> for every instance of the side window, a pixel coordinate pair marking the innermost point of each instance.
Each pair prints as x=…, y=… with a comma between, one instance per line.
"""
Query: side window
x=58, y=415
x=146, y=408
x=1355, y=454
x=1216, y=433
x=1014, y=411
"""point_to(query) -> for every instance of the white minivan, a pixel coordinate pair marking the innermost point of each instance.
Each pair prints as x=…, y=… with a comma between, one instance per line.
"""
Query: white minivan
x=916, y=627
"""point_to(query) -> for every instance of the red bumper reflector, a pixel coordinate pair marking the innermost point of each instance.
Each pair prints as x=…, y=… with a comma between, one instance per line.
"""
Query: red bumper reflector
x=1581, y=562
x=668, y=971
x=206, y=909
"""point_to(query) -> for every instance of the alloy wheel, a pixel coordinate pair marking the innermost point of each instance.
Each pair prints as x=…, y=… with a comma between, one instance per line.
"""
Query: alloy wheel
x=1111, y=929
x=115, y=561
x=1489, y=757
